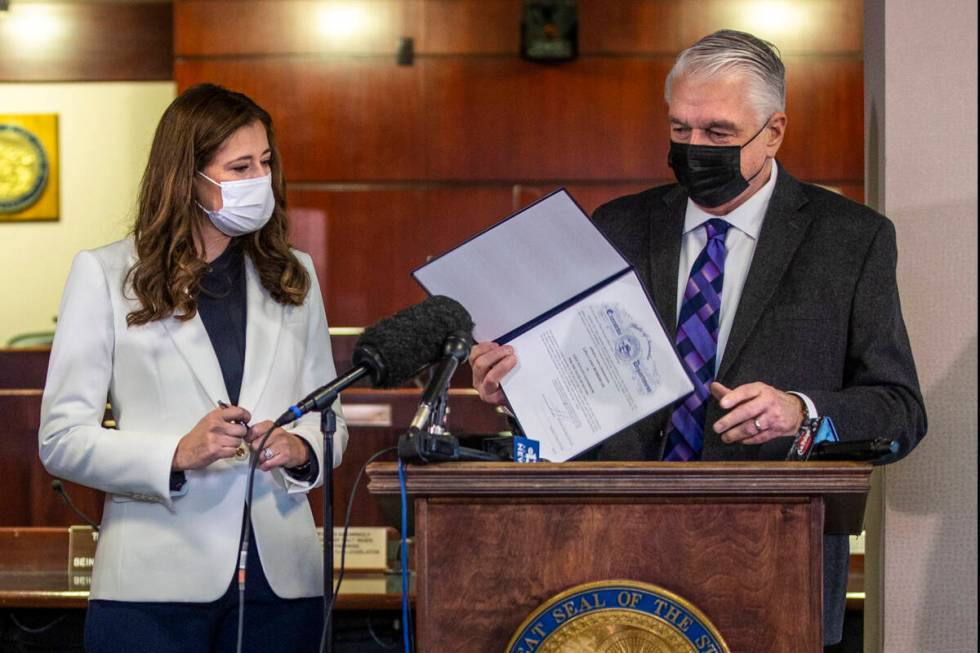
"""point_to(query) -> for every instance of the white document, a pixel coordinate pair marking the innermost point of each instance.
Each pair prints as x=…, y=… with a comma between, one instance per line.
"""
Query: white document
x=524, y=266
x=592, y=370
x=593, y=355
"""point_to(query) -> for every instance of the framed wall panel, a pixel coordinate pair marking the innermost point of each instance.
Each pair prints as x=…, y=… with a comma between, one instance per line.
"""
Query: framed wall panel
x=287, y=27
x=474, y=27
x=336, y=119
x=811, y=27
x=377, y=236
x=635, y=27
x=86, y=41
x=825, y=128
x=439, y=27
x=596, y=119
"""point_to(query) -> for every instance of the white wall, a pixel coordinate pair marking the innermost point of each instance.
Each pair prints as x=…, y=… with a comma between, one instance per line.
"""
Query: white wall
x=105, y=131
x=921, y=106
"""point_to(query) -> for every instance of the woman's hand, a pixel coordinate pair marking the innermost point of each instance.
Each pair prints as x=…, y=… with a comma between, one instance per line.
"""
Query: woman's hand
x=216, y=436
x=282, y=449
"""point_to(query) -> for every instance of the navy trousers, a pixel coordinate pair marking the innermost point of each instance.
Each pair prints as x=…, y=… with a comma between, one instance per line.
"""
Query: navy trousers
x=271, y=623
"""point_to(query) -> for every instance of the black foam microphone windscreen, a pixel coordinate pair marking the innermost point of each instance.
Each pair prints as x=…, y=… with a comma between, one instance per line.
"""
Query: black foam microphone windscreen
x=399, y=347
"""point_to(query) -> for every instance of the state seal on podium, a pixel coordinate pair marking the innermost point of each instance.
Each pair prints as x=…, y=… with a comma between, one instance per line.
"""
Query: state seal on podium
x=617, y=616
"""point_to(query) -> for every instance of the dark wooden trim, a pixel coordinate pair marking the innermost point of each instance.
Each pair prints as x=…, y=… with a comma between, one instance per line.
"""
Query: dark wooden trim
x=34, y=550
x=624, y=479
x=422, y=561
x=817, y=519
x=843, y=486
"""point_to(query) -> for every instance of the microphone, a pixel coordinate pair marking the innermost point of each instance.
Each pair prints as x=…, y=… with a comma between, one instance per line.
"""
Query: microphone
x=454, y=351
x=393, y=351
x=59, y=487
x=434, y=444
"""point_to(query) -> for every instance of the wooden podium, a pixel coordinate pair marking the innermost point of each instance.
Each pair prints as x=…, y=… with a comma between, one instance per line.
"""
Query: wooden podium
x=741, y=541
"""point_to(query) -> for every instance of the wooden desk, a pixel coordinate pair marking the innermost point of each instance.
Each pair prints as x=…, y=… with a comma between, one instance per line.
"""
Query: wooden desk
x=34, y=574
x=29, y=500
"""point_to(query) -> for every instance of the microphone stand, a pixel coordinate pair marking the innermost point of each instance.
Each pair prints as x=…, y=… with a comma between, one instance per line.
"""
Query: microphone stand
x=328, y=427
x=429, y=441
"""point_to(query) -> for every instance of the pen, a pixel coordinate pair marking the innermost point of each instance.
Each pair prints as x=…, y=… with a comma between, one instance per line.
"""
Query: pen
x=241, y=453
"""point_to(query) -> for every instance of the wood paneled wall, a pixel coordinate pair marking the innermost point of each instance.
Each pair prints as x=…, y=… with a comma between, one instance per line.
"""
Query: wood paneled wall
x=405, y=161
x=86, y=41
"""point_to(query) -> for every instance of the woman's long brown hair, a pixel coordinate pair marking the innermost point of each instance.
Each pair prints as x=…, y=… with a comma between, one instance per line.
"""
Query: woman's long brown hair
x=167, y=274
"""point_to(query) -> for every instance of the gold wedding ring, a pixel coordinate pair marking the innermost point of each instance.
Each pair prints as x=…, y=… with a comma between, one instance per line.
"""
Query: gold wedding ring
x=241, y=453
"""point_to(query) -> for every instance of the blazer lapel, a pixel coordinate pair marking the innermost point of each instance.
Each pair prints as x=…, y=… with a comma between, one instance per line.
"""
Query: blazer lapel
x=194, y=345
x=665, y=253
x=782, y=233
x=264, y=324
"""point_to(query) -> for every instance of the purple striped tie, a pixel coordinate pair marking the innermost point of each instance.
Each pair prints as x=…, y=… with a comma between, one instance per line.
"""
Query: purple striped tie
x=697, y=343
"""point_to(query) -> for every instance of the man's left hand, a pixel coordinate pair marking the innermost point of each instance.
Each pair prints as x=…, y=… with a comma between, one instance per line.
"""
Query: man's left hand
x=756, y=413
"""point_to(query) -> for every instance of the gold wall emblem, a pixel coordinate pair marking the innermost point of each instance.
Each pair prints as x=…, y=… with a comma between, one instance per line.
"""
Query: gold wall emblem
x=617, y=617
x=29, y=167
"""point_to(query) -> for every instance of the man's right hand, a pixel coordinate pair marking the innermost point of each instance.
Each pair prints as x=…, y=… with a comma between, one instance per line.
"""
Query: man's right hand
x=216, y=436
x=491, y=363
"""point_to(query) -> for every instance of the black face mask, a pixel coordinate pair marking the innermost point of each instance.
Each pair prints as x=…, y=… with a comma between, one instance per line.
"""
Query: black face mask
x=711, y=174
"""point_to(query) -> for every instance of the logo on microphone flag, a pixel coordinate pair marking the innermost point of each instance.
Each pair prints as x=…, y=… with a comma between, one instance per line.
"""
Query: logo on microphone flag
x=826, y=431
x=526, y=450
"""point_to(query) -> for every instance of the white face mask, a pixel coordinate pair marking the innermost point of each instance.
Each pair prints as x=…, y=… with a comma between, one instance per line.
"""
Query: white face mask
x=246, y=205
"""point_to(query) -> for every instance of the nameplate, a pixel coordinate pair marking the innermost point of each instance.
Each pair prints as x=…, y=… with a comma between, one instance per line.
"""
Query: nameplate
x=377, y=415
x=81, y=548
x=79, y=582
x=367, y=548
x=371, y=584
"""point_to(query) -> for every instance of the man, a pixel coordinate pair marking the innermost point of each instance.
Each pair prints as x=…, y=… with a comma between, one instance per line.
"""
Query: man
x=781, y=295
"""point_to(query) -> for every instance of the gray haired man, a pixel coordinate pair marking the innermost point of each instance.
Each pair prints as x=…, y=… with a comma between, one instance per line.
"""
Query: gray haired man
x=781, y=295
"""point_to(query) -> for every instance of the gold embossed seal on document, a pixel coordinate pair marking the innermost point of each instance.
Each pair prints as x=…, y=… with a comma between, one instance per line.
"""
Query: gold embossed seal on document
x=617, y=616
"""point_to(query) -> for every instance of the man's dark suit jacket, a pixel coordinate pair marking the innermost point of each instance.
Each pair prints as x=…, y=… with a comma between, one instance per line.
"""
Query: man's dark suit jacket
x=819, y=314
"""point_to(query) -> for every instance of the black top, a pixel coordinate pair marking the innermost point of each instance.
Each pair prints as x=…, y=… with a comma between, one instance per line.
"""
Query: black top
x=222, y=305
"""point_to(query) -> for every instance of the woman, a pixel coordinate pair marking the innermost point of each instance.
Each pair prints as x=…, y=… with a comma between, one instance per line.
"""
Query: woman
x=202, y=323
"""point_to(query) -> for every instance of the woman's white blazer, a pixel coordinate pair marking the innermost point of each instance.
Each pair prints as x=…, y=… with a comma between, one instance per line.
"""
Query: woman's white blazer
x=163, y=377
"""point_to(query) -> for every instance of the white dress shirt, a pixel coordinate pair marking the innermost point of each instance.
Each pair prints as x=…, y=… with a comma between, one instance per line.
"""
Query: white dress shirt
x=740, y=241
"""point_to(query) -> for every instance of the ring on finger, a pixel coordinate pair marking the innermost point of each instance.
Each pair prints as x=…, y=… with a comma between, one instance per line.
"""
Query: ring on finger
x=269, y=454
x=758, y=425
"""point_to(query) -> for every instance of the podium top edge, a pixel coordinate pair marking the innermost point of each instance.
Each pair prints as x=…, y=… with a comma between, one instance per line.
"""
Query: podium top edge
x=626, y=478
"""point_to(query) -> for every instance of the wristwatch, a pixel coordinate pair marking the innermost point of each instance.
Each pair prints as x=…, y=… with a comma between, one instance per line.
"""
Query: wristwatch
x=304, y=472
x=804, y=411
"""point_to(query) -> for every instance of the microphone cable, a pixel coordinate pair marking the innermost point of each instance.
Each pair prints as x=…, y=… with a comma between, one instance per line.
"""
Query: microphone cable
x=343, y=539
x=59, y=487
x=408, y=637
x=246, y=531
